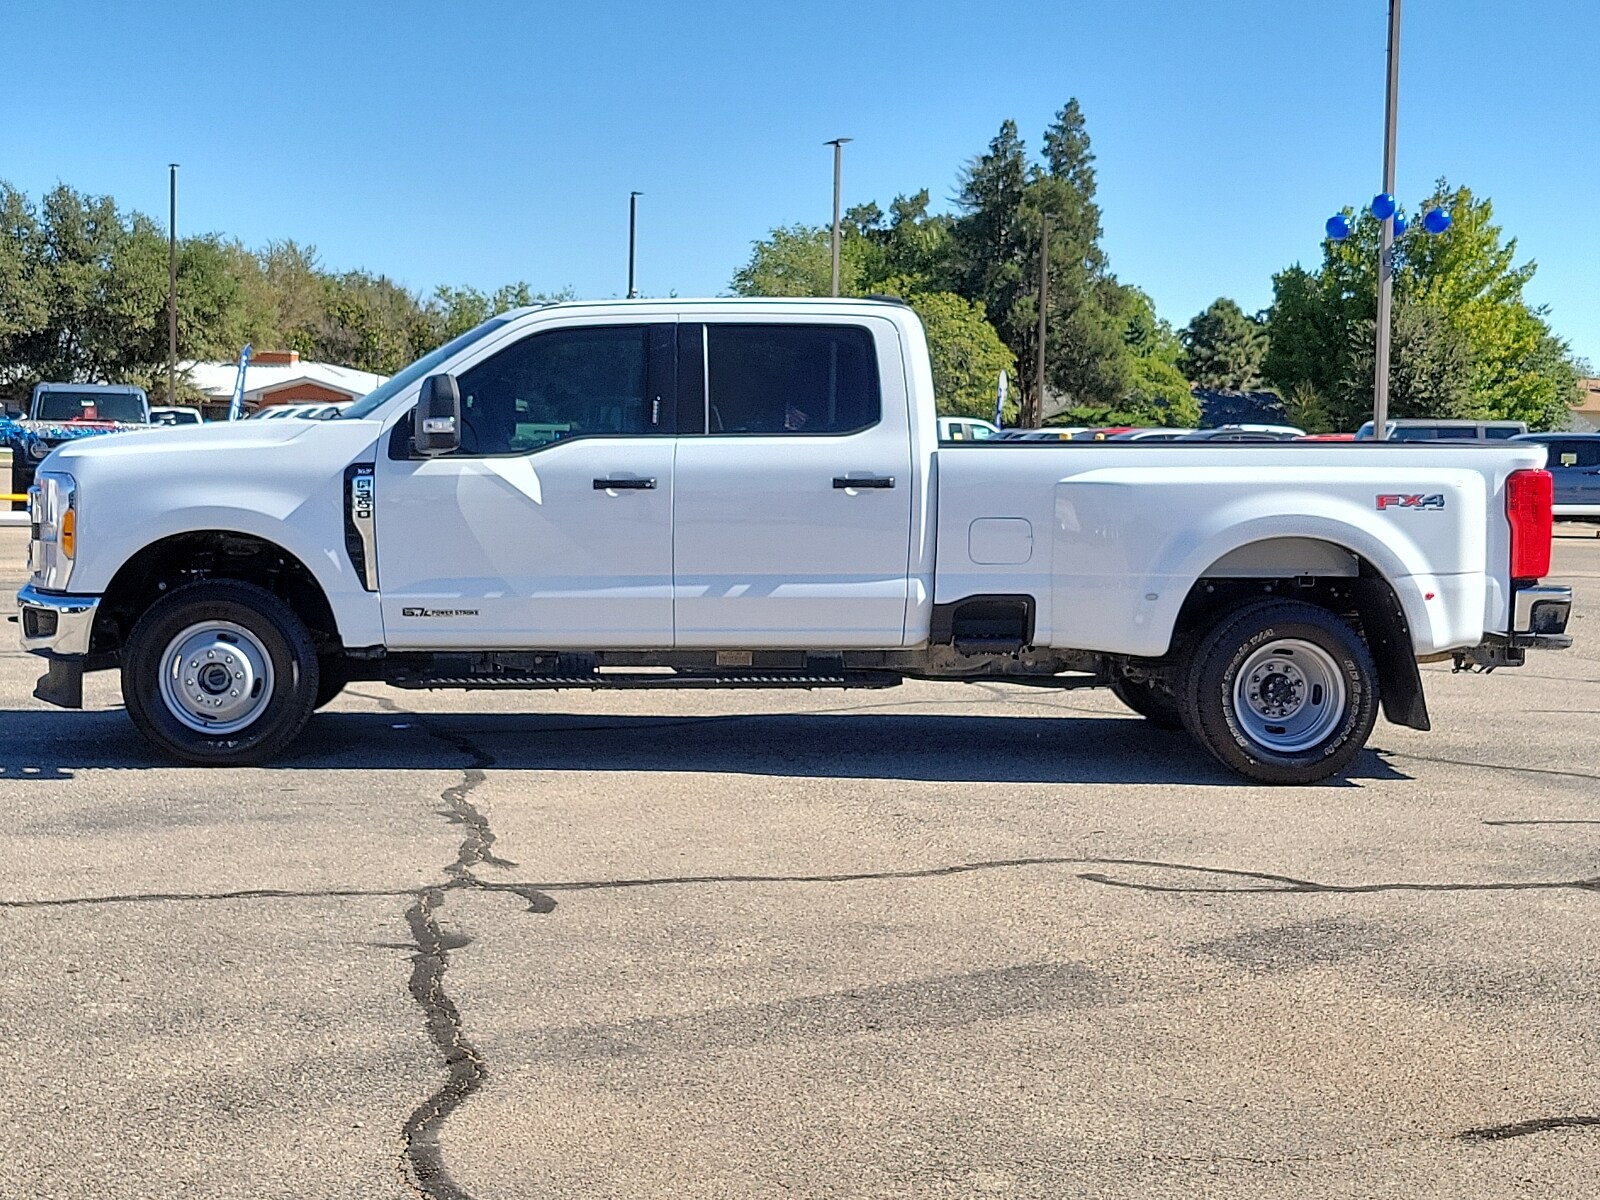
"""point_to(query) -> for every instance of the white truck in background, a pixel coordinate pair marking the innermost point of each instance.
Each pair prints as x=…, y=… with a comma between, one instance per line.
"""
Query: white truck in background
x=750, y=493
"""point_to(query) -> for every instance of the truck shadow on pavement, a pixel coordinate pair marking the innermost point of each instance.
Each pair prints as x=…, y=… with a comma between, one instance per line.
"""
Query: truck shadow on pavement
x=922, y=747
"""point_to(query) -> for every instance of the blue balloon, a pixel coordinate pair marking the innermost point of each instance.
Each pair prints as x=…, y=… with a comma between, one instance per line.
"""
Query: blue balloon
x=1383, y=206
x=1338, y=227
x=1399, y=224
x=1436, y=220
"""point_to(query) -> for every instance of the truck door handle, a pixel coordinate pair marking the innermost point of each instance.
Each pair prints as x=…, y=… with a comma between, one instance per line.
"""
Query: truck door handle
x=624, y=485
x=841, y=482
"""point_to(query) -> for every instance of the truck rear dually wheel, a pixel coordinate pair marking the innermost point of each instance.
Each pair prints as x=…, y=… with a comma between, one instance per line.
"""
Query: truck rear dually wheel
x=220, y=673
x=1282, y=692
x=1150, y=702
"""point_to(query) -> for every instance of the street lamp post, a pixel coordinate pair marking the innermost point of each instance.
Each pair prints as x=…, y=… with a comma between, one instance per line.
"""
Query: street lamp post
x=1034, y=417
x=1380, y=382
x=1392, y=226
x=838, y=163
x=172, y=283
x=633, y=225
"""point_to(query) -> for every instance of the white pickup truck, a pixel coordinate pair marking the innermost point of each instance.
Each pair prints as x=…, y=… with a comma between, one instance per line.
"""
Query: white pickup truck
x=743, y=493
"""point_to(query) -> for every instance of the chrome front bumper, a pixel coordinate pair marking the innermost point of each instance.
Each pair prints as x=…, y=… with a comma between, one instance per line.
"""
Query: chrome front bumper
x=56, y=625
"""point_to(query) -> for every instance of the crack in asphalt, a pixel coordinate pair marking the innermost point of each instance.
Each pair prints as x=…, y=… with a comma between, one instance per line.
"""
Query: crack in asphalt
x=1292, y=884
x=422, y=1158
x=422, y=1164
x=1499, y=1133
x=1484, y=766
x=536, y=892
x=464, y=1065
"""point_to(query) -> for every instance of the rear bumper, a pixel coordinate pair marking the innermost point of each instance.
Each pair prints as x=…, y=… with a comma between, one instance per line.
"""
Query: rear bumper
x=1541, y=609
x=1539, y=614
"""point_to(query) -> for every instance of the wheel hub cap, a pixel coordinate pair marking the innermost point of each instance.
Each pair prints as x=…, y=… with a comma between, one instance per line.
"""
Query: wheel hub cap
x=1289, y=695
x=216, y=677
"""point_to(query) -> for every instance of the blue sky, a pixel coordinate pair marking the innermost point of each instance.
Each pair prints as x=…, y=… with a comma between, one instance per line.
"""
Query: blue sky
x=486, y=142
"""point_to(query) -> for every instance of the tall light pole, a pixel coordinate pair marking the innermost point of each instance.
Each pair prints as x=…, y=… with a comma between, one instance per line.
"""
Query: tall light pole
x=172, y=282
x=633, y=225
x=1034, y=417
x=1380, y=382
x=838, y=163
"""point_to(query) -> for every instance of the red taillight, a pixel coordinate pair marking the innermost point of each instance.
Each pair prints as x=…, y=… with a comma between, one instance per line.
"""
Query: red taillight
x=1529, y=497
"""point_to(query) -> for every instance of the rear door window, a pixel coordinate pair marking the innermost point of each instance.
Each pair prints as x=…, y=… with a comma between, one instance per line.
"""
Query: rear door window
x=797, y=380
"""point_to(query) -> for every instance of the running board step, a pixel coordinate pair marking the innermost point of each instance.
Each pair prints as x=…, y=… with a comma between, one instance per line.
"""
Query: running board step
x=623, y=680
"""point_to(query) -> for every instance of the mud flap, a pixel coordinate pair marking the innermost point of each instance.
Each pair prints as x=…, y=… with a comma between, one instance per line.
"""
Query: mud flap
x=62, y=684
x=1394, y=654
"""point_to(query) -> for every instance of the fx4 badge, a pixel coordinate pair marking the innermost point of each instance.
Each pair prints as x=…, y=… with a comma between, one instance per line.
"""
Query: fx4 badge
x=438, y=612
x=1434, y=501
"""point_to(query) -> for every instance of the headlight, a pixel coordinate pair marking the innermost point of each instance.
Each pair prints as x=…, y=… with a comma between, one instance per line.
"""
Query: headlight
x=56, y=518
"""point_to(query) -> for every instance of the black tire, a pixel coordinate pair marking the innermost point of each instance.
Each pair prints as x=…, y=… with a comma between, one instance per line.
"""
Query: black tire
x=1150, y=702
x=279, y=633
x=1257, y=634
x=333, y=674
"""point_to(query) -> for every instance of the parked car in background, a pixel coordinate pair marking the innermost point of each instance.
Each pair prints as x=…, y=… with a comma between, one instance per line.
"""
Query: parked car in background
x=1245, y=433
x=62, y=412
x=175, y=415
x=1574, y=464
x=1148, y=435
x=1050, y=433
x=1417, y=429
x=966, y=429
x=1326, y=437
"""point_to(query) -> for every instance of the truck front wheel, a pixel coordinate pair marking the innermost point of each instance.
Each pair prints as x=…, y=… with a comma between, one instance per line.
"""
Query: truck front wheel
x=220, y=673
x=1282, y=692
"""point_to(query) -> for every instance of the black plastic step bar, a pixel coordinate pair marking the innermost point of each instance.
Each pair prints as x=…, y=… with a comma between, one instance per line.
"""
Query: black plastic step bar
x=625, y=680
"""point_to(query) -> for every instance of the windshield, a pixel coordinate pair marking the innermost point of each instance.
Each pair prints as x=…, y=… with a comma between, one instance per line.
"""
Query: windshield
x=417, y=370
x=91, y=406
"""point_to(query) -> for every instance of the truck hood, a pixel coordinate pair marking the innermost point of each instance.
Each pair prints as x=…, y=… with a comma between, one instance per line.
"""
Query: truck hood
x=158, y=442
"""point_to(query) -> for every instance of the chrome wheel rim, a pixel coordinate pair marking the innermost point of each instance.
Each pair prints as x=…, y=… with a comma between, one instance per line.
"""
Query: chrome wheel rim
x=1289, y=695
x=216, y=677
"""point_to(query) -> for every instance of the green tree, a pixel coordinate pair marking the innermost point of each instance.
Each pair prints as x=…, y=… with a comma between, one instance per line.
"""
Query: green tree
x=1223, y=348
x=910, y=248
x=1006, y=204
x=1480, y=348
x=967, y=354
x=1303, y=408
x=797, y=260
x=1153, y=391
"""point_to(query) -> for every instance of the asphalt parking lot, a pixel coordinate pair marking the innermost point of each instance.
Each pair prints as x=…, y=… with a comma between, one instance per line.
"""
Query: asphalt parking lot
x=937, y=941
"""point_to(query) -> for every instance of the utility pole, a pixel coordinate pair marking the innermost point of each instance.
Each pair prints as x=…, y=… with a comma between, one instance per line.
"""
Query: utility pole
x=633, y=225
x=838, y=163
x=1380, y=382
x=172, y=282
x=1035, y=414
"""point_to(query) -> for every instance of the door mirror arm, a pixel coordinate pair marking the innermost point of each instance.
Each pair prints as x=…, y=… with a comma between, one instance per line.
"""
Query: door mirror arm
x=436, y=422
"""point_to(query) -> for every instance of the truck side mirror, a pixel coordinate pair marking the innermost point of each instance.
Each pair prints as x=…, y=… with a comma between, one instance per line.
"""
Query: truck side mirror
x=436, y=423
